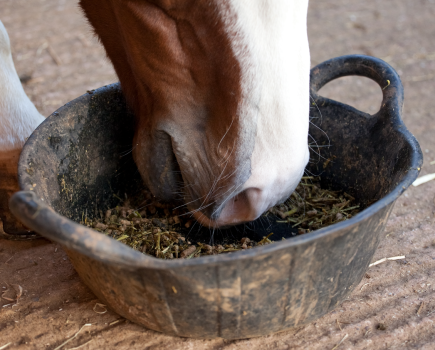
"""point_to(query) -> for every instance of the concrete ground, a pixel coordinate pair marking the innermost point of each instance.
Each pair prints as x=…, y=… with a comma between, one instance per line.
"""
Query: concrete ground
x=53, y=48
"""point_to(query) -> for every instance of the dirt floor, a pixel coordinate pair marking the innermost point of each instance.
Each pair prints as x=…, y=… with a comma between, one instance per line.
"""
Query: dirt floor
x=53, y=47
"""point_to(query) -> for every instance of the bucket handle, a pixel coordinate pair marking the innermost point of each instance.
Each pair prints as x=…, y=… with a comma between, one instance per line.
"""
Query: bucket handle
x=365, y=66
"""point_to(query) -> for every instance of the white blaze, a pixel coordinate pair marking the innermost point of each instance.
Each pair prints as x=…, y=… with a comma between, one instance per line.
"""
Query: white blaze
x=270, y=41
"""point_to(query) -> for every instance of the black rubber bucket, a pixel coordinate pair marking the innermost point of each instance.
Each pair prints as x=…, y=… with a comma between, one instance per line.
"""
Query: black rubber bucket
x=72, y=164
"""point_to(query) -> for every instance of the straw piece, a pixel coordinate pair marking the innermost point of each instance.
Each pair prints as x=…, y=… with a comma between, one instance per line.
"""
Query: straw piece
x=397, y=257
x=100, y=306
x=75, y=335
x=114, y=322
x=342, y=340
x=385, y=259
x=378, y=262
x=423, y=179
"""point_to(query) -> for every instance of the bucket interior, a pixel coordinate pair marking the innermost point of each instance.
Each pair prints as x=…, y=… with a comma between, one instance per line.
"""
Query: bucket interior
x=81, y=160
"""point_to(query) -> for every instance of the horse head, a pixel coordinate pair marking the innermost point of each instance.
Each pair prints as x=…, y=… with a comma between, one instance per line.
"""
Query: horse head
x=220, y=90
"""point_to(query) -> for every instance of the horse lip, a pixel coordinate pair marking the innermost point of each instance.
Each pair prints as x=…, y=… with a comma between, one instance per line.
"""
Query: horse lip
x=208, y=222
x=209, y=214
x=214, y=223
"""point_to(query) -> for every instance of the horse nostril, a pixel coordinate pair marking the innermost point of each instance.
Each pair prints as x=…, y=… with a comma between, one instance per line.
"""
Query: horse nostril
x=245, y=206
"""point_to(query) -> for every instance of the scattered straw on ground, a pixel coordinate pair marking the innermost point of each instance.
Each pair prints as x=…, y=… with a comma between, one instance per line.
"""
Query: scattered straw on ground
x=423, y=179
x=341, y=341
x=73, y=337
x=386, y=259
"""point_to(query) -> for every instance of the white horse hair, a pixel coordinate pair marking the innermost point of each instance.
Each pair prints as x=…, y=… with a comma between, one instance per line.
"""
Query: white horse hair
x=276, y=97
x=18, y=115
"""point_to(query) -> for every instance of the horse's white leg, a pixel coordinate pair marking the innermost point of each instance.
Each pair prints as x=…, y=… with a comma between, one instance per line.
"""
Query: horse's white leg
x=18, y=119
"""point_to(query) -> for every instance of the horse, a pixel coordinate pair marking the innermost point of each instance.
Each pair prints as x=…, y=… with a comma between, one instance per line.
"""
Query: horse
x=220, y=90
x=220, y=93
